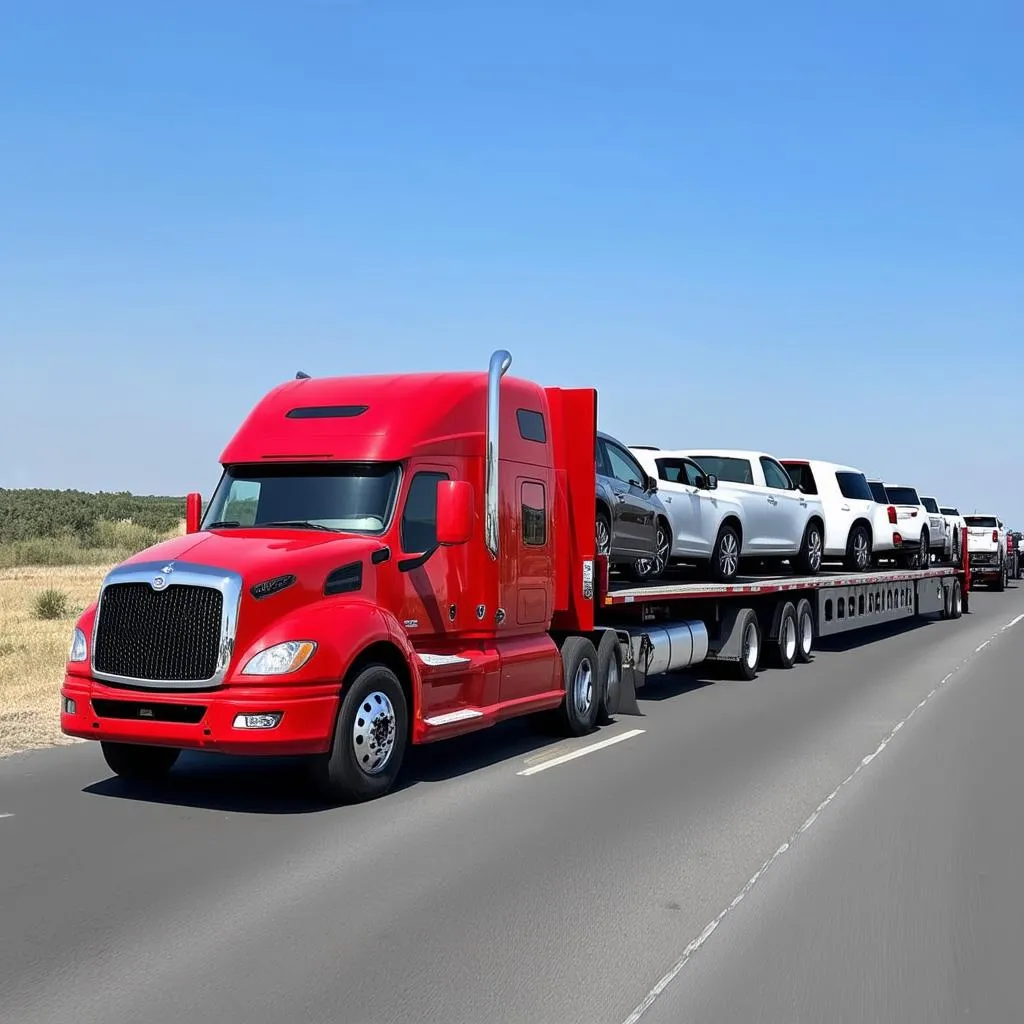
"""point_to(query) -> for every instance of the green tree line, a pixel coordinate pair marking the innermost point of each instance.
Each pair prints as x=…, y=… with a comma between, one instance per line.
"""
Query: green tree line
x=37, y=513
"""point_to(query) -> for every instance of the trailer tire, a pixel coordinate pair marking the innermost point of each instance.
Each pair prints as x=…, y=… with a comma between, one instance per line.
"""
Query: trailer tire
x=804, y=631
x=956, y=600
x=609, y=672
x=372, y=723
x=751, y=645
x=139, y=762
x=578, y=712
x=786, y=643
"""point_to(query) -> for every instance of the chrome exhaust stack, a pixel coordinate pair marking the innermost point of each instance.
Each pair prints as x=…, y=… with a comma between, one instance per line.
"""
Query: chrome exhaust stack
x=500, y=362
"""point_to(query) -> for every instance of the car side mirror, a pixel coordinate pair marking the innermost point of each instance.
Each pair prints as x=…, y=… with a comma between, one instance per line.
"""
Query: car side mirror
x=454, y=512
x=193, y=511
x=652, y=484
x=712, y=481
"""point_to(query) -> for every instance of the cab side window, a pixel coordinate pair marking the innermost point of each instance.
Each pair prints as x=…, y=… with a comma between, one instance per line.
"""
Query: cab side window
x=419, y=518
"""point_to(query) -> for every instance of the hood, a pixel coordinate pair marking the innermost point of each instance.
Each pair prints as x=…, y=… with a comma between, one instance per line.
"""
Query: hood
x=258, y=555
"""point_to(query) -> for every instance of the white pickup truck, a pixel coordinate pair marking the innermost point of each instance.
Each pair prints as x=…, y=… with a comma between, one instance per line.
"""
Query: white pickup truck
x=986, y=550
x=781, y=522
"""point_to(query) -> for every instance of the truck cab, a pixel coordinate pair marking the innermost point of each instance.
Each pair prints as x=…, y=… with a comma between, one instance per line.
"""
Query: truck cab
x=383, y=561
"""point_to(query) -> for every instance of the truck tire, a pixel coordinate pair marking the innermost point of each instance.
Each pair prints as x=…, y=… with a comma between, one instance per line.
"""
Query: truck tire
x=1000, y=583
x=804, y=631
x=812, y=549
x=578, y=712
x=609, y=672
x=858, y=549
x=370, y=738
x=956, y=600
x=138, y=762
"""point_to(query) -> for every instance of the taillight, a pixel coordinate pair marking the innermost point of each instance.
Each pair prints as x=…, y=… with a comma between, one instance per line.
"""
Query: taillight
x=995, y=536
x=892, y=514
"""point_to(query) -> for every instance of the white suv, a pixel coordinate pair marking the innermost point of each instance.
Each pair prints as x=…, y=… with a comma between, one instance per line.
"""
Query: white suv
x=957, y=526
x=780, y=521
x=857, y=528
x=708, y=527
x=914, y=528
x=934, y=515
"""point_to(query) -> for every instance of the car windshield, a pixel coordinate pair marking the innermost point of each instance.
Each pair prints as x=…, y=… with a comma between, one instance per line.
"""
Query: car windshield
x=736, y=471
x=854, y=486
x=931, y=505
x=347, y=497
x=949, y=512
x=985, y=522
x=903, y=495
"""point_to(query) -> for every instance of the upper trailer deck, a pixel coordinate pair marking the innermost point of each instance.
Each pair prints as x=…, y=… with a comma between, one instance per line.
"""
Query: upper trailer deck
x=680, y=589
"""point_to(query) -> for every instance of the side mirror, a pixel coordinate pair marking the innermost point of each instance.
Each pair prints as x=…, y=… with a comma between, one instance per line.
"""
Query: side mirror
x=712, y=481
x=454, y=512
x=193, y=511
x=652, y=484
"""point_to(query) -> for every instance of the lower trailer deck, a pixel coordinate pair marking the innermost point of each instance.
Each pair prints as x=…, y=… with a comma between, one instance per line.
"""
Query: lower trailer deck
x=680, y=588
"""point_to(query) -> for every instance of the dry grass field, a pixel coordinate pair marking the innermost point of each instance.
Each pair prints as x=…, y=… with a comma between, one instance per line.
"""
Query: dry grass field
x=39, y=604
x=33, y=650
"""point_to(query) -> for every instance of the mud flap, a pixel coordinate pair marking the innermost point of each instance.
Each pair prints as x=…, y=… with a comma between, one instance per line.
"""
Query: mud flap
x=634, y=673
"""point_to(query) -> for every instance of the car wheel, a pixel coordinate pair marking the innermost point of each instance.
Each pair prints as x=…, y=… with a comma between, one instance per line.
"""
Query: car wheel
x=858, y=549
x=924, y=556
x=652, y=568
x=811, y=551
x=603, y=534
x=725, y=556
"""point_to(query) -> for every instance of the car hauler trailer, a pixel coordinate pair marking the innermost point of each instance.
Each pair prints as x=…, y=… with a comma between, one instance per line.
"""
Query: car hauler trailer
x=398, y=559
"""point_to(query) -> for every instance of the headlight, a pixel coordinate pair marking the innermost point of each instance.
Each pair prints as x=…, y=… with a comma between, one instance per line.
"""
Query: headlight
x=280, y=659
x=78, y=650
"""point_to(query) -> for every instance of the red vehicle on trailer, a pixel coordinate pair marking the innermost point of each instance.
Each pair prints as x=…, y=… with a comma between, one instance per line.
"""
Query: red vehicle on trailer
x=400, y=559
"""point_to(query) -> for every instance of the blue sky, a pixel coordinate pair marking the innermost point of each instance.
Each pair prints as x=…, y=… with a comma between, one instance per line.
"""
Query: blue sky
x=797, y=226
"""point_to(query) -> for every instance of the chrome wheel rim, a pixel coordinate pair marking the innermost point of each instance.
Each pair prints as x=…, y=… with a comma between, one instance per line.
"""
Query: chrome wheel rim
x=806, y=633
x=583, y=688
x=373, y=733
x=789, y=638
x=751, y=645
x=814, y=549
x=652, y=566
x=603, y=538
x=861, y=553
x=729, y=555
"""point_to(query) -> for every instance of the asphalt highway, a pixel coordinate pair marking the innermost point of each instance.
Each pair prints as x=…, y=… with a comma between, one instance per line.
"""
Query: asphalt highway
x=833, y=843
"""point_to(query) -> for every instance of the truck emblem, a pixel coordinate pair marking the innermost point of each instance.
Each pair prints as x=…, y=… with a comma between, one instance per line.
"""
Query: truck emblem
x=158, y=583
x=168, y=569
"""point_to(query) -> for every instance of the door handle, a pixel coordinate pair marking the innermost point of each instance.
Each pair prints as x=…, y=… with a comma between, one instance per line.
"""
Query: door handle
x=845, y=508
x=620, y=497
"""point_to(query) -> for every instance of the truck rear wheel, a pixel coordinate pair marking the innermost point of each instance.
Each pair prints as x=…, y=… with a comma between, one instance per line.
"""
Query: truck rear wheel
x=609, y=671
x=370, y=738
x=138, y=762
x=750, y=644
x=578, y=712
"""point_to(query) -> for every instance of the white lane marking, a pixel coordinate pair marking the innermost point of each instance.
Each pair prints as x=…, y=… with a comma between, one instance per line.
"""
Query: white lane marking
x=555, y=761
x=670, y=975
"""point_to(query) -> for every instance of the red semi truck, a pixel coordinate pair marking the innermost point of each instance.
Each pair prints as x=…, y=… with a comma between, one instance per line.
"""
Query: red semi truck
x=423, y=566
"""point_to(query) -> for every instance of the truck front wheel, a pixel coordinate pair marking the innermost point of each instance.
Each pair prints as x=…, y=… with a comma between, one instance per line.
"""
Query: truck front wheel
x=370, y=738
x=137, y=762
x=579, y=711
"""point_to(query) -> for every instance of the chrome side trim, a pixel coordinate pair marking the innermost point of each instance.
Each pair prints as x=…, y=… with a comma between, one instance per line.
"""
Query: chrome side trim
x=462, y=715
x=437, y=660
x=500, y=362
x=168, y=574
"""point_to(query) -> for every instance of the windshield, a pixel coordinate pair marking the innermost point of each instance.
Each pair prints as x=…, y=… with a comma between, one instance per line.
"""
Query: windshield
x=931, y=505
x=348, y=497
x=985, y=522
x=736, y=471
x=903, y=495
x=949, y=512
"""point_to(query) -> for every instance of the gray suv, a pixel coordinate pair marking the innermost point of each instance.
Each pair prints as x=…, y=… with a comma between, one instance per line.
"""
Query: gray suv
x=632, y=527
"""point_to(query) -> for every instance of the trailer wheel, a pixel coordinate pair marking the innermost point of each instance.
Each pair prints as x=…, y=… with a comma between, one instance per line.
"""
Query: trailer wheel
x=750, y=644
x=138, y=762
x=804, y=630
x=609, y=673
x=786, y=643
x=956, y=601
x=370, y=737
x=578, y=712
